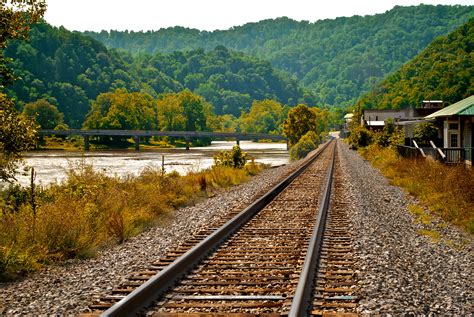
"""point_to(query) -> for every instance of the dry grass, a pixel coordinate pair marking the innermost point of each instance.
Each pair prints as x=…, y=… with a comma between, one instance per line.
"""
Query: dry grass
x=91, y=210
x=446, y=190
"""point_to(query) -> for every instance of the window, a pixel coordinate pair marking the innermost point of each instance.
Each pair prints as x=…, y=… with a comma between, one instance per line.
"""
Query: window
x=454, y=140
x=453, y=126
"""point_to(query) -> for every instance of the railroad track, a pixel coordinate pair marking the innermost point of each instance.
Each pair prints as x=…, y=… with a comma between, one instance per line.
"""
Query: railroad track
x=262, y=262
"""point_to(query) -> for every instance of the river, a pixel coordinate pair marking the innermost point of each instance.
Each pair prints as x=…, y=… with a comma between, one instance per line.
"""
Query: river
x=51, y=166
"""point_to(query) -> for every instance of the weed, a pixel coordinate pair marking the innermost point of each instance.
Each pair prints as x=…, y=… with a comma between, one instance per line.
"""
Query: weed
x=419, y=214
x=90, y=210
x=445, y=190
x=433, y=235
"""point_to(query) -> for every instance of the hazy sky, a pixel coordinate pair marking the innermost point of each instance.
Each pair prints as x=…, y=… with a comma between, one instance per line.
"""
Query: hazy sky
x=96, y=15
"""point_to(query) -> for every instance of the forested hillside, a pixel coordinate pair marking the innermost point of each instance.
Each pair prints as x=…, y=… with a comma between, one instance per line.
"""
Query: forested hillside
x=70, y=69
x=338, y=59
x=443, y=71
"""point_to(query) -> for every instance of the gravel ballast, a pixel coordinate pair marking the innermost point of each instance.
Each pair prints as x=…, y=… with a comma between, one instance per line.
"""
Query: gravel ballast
x=402, y=270
x=69, y=288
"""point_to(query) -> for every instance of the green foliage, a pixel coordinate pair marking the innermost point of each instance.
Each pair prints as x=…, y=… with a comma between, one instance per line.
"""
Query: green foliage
x=235, y=158
x=45, y=114
x=425, y=132
x=303, y=119
x=265, y=116
x=69, y=69
x=359, y=136
x=442, y=71
x=390, y=136
x=339, y=59
x=16, y=16
x=306, y=144
x=183, y=111
x=122, y=110
x=17, y=135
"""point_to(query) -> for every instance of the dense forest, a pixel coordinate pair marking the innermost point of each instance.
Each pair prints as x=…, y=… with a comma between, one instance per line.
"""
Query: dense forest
x=442, y=71
x=337, y=59
x=70, y=70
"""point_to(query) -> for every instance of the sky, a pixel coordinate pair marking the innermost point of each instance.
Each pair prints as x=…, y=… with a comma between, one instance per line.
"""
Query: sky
x=209, y=15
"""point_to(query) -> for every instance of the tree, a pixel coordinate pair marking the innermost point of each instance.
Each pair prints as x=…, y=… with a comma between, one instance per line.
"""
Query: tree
x=46, y=115
x=265, y=116
x=17, y=133
x=425, y=132
x=122, y=110
x=306, y=144
x=183, y=111
x=300, y=121
x=16, y=16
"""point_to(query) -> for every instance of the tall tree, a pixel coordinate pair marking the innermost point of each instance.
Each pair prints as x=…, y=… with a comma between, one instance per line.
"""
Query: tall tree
x=265, y=116
x=300, y=121
x=17, y=133
x=122, y=110
x=46, y=115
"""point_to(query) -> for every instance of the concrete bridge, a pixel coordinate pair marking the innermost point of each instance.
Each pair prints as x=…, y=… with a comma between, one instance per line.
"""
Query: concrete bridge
x=186, y=135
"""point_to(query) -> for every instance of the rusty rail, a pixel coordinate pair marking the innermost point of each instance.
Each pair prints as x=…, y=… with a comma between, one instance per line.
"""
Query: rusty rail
x=157, y=285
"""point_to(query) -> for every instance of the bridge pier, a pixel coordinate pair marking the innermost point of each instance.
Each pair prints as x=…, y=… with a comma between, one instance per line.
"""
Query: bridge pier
x=187, y=143
x=137, y=143
x=86, y=143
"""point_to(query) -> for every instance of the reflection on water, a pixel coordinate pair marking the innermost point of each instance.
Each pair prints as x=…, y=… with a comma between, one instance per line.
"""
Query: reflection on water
x=52, y=165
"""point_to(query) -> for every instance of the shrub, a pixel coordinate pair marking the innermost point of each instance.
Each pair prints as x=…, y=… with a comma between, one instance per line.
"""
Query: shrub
x=360, y=136
x=90, y=209
x=306, y=144
x=424, y=132
x=235, y=158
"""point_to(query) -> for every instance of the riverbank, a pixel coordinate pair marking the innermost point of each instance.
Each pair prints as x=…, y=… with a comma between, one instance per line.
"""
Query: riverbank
x=51, y=166
x=68, y=288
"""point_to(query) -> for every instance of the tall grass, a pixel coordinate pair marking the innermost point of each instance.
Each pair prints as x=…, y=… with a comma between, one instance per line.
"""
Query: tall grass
x=91, y=210
x=448, y=191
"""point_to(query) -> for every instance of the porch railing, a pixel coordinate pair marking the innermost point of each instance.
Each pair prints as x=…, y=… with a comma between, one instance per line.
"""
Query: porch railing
x=446, y=155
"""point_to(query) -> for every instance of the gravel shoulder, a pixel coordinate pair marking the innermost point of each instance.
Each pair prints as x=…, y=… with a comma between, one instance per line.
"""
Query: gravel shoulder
x=402, y=270
x=68, y=288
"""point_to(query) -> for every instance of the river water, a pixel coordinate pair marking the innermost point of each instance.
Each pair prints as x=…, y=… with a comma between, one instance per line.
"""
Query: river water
x=51, y=166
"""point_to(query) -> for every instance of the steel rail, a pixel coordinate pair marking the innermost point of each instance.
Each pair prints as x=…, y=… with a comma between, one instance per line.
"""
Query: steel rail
x=155, y=287
x=302, y=297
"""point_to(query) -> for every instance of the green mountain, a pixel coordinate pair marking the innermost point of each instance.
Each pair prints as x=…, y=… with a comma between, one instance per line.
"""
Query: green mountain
x=71, y=69
x=442, y=71
x=337, y=59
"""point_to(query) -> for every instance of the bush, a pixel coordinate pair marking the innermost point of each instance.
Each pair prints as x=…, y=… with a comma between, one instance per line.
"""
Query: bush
x=90, y=209
x=425, y=132
x=306, y=144
x=360, y=136
x=235, y=158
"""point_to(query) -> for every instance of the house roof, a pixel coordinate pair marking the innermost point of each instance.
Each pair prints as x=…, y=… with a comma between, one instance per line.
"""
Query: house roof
x=464, y=107
x=348, y=116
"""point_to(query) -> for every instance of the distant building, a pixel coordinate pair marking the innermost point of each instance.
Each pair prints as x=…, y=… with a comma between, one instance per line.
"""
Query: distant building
x=345, y=127
x=407, y=118
x=456, y=124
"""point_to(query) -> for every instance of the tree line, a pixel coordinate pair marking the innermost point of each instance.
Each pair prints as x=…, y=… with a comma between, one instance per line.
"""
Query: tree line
x=71, y=70
x=442, y=71
x=337, y=59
